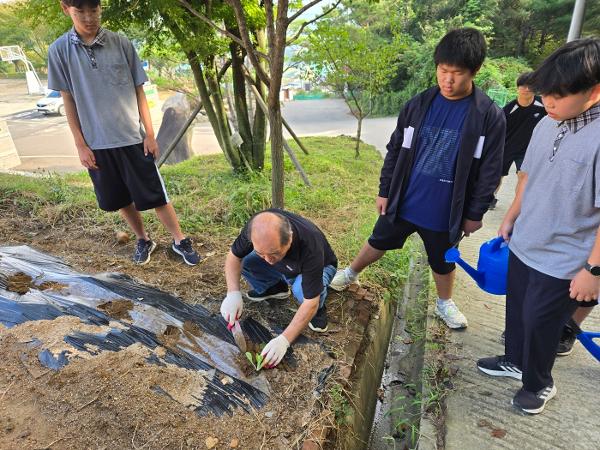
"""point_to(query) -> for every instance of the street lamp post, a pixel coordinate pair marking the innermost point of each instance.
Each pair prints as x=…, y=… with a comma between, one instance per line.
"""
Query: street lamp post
x=576, y=20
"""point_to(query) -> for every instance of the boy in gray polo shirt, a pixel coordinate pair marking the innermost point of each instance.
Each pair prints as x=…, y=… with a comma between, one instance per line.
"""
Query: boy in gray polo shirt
x=100, y=78
x=554, y=261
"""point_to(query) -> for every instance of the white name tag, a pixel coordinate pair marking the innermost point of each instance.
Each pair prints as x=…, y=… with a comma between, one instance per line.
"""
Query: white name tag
x=479, y=147
x=408, y=136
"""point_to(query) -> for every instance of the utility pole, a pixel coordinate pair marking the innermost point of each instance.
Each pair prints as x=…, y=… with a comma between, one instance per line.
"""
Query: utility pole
x=576, y=20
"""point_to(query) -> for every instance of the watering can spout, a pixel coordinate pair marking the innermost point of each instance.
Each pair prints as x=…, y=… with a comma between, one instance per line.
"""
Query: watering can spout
x=453, y=255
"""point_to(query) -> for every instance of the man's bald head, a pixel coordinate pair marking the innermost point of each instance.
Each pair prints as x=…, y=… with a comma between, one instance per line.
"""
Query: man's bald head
x=271, y=235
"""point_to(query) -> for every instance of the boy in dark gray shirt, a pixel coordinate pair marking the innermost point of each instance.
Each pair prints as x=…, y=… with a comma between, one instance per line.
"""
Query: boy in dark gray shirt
x=100, y=78
x=554, y=262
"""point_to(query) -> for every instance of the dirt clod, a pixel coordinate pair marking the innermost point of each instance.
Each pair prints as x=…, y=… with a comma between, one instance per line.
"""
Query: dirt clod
x=122, y=237
x=51, y=286
x=19, y=283
x=117, y=309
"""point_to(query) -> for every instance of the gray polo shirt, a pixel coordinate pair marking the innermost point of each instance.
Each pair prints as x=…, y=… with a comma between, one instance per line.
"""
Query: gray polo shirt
x=560, y=209
x=102, y=78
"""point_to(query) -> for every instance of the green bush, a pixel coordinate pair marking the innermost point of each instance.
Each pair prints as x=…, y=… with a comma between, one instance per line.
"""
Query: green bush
x=501, y=73
x=389, y=103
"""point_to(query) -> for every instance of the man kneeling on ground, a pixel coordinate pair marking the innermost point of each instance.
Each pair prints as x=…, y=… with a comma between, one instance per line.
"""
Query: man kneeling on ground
x=277, y=250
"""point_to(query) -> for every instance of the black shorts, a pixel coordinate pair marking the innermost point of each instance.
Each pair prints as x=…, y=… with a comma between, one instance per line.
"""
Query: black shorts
x=390, y=235
x=126, y=175
x=509, y=159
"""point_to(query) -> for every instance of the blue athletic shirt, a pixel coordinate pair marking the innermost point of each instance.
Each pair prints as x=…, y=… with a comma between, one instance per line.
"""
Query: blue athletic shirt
x=428, y=195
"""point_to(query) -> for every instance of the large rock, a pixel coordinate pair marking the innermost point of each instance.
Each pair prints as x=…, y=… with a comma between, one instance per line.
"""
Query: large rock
x=176, y=111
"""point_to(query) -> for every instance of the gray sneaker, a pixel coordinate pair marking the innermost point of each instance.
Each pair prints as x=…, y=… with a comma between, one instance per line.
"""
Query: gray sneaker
x=451, y=315
x=341, y=281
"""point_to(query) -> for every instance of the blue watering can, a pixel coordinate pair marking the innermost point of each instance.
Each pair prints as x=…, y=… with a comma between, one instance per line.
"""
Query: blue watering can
x=587, y=340
x=491, y=274
x=492, y=266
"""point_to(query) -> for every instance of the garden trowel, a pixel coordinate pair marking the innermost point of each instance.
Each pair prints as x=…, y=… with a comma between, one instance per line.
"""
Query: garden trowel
x=238, y=335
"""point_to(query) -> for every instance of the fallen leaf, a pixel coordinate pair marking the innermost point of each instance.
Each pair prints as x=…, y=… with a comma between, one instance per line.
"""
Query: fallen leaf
x=209, y=254
x=234, y=443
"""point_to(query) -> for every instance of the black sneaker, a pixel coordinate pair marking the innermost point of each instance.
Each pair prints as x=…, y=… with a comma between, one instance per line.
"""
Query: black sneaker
x=279, y=290
x=568, y=338
x=319, y=322
x=143, y=250
x=187, y=252
x=499, y=366
x=533, y=402
x=493, y=204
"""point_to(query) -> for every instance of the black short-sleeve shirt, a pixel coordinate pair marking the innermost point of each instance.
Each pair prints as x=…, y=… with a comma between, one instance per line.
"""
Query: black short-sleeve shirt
x=520, y=122
x=308, y=255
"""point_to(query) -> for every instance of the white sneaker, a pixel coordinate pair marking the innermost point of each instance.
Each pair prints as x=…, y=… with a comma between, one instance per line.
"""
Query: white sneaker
x=450, y=314
x=341, y=280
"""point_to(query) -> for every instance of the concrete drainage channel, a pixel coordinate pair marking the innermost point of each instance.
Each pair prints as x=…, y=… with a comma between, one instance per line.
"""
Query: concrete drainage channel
x=392, y=358
x=398, y=412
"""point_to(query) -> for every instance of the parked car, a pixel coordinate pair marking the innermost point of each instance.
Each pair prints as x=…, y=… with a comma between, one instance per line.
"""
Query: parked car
x=51, y=103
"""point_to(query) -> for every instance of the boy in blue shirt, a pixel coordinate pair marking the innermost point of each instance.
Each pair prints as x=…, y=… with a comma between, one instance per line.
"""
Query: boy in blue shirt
x=100, y=78
x=442, y=166
x=554, y=262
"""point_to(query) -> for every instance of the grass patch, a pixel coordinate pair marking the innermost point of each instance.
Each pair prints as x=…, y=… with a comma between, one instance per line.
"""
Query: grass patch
x=212, y=201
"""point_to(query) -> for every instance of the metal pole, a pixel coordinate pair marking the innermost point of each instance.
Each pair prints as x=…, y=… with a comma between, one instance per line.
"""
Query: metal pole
x=576, y=20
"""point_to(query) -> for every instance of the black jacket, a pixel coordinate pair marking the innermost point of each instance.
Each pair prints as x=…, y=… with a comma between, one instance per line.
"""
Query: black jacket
x=478, y=165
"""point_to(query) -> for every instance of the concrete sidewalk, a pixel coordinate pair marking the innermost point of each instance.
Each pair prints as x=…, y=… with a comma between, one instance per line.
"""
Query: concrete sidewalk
x=479, y=403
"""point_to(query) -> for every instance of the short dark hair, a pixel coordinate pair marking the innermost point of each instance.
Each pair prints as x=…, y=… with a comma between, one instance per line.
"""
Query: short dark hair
x=571, y=69
x=285, y=227
x=463, y=47
x=523, y=79
x=81, y=3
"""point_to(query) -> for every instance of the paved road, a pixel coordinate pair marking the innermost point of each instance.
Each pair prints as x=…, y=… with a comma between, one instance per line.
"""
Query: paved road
x=570, y=421
x=331, y=117
x=45, y=142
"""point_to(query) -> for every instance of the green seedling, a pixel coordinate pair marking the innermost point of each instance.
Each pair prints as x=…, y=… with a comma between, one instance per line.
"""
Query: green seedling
x=259, y=360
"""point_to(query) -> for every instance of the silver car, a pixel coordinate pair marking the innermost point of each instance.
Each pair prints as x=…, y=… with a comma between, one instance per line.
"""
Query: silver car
x=51, y=103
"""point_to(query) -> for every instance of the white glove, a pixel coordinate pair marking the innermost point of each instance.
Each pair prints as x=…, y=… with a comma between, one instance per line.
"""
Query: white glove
x=275, y=350
x=232, y=307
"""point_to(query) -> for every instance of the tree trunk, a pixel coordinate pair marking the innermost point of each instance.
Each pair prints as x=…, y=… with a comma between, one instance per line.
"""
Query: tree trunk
x=277, y=172
x=358, y=133
x=542, y=42
x=358, y=113
x=241, y=105
x=217, y=118
x=259, y=123
x=223, y=122
x=277, y=30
